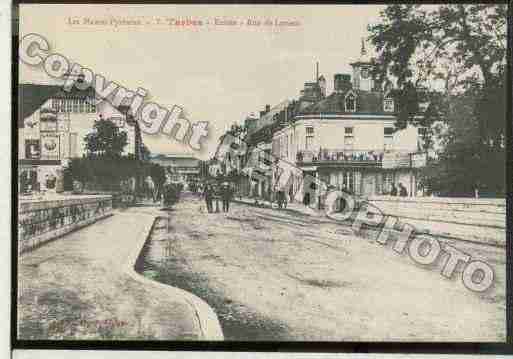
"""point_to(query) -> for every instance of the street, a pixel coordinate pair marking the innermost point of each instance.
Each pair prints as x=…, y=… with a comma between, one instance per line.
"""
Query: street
x=278, y=275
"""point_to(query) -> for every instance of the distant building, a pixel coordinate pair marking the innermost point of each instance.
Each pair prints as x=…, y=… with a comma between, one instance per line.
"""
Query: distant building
x=52, y=124
x=182, y=167
x=259, y=142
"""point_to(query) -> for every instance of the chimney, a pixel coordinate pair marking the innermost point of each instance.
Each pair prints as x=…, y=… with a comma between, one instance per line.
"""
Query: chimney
x=267, y=108
x=342, y=82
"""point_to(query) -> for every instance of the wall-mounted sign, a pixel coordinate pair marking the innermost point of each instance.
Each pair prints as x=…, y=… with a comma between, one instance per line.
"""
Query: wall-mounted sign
x=32, y=149
x=50, y=147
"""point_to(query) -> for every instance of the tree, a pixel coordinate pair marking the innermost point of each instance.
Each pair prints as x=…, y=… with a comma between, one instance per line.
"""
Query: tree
x=106, y=140
x=457, y=54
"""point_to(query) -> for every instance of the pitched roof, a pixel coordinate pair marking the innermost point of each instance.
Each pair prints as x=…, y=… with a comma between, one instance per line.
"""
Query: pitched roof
x=31, y=97
x=75, y=93
x=367, y=102
x=268, y=118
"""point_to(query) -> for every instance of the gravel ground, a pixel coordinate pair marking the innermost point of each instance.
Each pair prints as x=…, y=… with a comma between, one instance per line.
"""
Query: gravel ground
x=278, y=275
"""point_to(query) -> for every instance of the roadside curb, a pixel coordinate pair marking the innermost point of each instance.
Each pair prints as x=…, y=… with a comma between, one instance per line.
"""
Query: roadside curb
x=208, y=322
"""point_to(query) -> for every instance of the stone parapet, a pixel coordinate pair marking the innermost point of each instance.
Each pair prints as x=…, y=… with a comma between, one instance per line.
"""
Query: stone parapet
x=43, y=219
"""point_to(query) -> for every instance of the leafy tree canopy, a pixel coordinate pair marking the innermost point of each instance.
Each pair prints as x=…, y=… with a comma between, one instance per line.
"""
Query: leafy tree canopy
x=452, y=57
x=105, y=140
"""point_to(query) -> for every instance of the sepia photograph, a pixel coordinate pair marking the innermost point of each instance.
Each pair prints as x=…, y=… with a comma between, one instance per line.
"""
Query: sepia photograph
x=261, y=173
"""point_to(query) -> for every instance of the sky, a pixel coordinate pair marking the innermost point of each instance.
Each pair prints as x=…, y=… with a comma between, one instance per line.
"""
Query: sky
x=217, y=73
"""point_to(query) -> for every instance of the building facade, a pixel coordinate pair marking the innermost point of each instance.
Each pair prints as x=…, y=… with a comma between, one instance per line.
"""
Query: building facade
x=348, y=140
x=181, y=167
x=51, y=129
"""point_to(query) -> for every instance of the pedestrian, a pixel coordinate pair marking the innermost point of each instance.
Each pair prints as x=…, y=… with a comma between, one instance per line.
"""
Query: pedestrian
x=280, y=198
x=226, y=194
x=217, y=195
x=402, y=190
x=207, y=193
x=393, y=191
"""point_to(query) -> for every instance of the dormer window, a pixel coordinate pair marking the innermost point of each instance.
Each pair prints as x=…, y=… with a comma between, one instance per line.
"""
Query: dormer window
x=388, y=105
x=350, y=102
x=423, y=106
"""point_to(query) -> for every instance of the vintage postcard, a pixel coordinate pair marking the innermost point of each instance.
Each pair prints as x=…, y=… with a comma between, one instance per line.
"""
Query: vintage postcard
x=311, y=173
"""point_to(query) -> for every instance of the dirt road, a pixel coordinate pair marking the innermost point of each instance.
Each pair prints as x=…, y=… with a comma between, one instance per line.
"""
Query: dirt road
x=276, y=275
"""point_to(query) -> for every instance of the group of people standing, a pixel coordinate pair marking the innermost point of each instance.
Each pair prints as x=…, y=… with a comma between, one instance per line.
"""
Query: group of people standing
x=213, y=192
x=402, y=191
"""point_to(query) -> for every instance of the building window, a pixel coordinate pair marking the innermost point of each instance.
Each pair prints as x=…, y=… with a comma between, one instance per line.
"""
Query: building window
x=389, y=137
x=309, y=138
x=388, y=105
x=75, y=105
x=346, y=179
x=388, y=179
x=81, y=106
x=350, y=103
x=89, y=106
x=348, y=138
x=62, y=107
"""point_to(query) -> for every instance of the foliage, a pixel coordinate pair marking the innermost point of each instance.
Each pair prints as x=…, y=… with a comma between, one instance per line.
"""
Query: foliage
x=460, y=168
x=107, y=173
x=452, y=57
x=105, y=140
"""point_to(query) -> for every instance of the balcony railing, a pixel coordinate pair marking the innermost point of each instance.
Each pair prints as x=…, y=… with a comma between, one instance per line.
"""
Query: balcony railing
x=338, y=155
x=380, y=158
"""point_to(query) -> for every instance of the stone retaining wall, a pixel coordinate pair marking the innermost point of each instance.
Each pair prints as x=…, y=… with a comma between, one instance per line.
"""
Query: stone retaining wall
x=42, y=220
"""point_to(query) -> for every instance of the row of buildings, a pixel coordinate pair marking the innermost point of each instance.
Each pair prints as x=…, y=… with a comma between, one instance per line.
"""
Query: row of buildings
x=346, y=140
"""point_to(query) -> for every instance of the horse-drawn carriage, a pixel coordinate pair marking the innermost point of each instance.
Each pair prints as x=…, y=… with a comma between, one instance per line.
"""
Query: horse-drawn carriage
x=171, y=193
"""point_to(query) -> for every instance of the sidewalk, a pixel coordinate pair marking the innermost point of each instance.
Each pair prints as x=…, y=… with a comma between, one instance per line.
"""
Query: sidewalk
x=466, y=232
x=84, y=286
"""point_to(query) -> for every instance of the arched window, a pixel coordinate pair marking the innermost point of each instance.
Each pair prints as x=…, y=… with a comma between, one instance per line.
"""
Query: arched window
x=350, y=102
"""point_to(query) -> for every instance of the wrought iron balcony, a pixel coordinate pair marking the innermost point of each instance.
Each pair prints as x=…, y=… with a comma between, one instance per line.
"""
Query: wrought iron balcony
x=338, y=156
x=360, y=158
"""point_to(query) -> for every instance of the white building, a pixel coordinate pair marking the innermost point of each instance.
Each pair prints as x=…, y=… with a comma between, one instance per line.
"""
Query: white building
x=182, y=167
x=348, y=140
x=51, y=129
